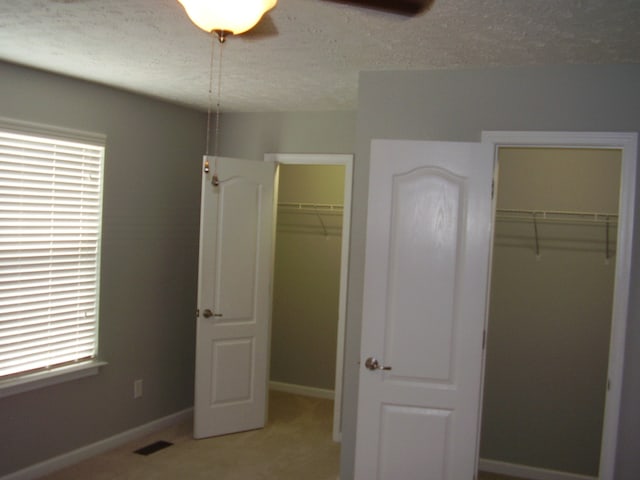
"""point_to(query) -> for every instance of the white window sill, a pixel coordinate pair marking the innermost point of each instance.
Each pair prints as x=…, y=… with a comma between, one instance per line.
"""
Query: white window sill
x=37, y=380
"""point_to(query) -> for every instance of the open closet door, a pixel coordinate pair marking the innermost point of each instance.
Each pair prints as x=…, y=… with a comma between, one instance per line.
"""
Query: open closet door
x=234, y=298
x=425, y=286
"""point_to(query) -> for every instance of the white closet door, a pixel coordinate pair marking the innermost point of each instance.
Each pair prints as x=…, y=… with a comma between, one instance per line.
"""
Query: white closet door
x=426, y=266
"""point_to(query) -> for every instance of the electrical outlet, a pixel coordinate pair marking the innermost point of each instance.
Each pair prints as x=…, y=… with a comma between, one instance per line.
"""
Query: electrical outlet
x=137, y=388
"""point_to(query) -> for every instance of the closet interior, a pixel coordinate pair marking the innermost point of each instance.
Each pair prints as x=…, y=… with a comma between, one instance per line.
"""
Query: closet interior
x=307, y=278
x=550, y=308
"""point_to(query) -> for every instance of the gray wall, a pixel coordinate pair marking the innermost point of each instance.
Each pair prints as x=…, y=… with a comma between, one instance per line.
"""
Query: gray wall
x=306, y=283
x=149, y=266
x=152, y=174
x=251, y=135
x=457, y=105
x=550, y=314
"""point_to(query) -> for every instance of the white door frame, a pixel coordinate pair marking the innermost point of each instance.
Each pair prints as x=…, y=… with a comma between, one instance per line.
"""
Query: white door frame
x=347, y=161
x=628, y=143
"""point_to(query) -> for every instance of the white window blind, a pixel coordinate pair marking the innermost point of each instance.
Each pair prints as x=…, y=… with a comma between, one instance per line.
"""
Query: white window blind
x=50, y=219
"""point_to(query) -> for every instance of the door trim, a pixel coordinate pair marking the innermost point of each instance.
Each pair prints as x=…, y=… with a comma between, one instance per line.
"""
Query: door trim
x=347, y=161
x=628, y=143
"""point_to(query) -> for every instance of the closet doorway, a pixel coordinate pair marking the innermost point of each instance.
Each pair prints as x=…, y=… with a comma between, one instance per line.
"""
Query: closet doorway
x=557, y=310
x=310, y=276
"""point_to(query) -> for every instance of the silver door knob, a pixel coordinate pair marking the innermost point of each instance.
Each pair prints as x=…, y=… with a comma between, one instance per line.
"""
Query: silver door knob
x=372, y=364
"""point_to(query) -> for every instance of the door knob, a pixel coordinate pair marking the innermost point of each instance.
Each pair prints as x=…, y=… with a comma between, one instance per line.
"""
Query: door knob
x=208, y=313
x=372, y=364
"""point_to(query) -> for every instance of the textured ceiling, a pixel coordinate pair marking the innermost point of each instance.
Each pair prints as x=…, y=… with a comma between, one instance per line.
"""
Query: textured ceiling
x=307, y=54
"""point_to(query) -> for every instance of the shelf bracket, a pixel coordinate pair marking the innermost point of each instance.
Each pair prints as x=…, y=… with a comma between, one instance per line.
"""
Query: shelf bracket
x=324, y=228
x=535, y=231
x=606, y=250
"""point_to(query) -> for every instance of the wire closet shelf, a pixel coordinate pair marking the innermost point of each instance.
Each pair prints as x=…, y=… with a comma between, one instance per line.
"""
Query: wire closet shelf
x=536, y=217
x=317, y=209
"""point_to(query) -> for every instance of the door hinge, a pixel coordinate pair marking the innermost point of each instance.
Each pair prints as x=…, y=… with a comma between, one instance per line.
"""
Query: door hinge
x=206, y=166
x=197, y=312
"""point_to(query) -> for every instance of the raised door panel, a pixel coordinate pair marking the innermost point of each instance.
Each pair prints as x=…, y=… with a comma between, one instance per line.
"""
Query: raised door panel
x=423, y=259
x=414, y=442
x=237, y=252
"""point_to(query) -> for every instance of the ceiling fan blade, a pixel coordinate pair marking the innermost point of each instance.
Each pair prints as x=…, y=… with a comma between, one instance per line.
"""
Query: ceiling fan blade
x=402, y=7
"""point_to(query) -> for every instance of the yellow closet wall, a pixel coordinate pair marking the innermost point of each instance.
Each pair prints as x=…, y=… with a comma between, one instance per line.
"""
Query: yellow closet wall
x=550, y=315
x=306, y=277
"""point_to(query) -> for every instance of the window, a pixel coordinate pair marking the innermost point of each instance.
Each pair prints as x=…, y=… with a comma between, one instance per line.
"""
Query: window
x=50, y=219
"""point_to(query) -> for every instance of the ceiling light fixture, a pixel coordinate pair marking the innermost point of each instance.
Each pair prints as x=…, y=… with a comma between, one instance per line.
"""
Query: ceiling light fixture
x=235, y=16
x=219, y=18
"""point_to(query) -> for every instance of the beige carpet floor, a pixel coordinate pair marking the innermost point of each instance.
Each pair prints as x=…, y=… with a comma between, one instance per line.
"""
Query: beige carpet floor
x=295, y=444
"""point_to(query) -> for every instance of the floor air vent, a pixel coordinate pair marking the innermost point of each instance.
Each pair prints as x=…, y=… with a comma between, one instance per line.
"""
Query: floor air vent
x=153, y=447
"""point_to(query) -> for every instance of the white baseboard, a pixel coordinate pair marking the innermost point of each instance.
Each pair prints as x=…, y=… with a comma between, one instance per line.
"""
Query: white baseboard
x=302, y=390
x=88, y=451
x=525, y=471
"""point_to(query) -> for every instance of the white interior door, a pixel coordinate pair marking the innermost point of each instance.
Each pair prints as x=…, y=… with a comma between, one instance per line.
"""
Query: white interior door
x=234, y=297
x=425, y=290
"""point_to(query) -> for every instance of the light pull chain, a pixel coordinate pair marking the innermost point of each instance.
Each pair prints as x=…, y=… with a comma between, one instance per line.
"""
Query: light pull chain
x=210, y=103
x=221, y=36
x=221, y=42
x=215, y=180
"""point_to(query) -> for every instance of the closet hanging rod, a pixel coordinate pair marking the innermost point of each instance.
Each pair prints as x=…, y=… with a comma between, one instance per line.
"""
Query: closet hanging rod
x=317, y=209
x=558, y=215
x=606, y=219
x=313, y=206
